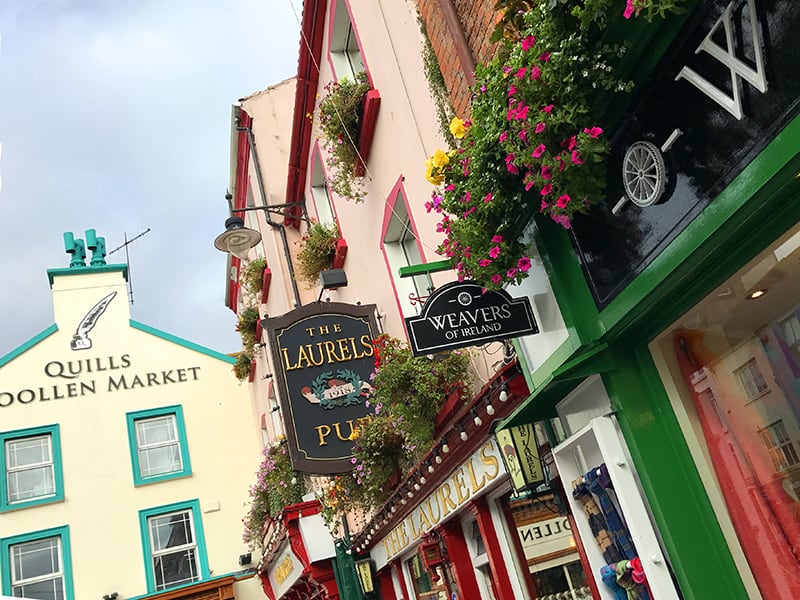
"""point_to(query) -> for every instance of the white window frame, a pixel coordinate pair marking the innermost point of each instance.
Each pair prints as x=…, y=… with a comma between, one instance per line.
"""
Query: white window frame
x=47, y=466
x=790, y=328
x=19, y=583
x=321, y=192
x=752, y=379
x=143, y=448
x=159, y=554
x=780, y=446
x=344, y=50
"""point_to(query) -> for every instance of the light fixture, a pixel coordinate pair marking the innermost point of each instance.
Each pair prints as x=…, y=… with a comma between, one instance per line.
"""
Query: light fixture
x=438, y=458
x=331, y=279
x=462, y=433
x=393, y=509
x=422, y=479
x=503, y=392
x=445, y=447
x=245, y=559
x=237, y=239
x=475, y=418
x=755, y=294
x=403, y=501
x=430, y=466
x=489, y=406
x=410, y=493
x=416, y=485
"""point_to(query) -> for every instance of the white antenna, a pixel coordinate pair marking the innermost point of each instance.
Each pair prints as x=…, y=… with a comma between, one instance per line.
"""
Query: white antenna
x=128, y=259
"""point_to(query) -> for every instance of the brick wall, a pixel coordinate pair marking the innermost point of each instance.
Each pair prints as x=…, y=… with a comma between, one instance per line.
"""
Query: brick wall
x=476, y=20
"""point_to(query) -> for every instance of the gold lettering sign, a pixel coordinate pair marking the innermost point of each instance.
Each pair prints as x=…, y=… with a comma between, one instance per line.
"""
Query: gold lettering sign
x=283, y=570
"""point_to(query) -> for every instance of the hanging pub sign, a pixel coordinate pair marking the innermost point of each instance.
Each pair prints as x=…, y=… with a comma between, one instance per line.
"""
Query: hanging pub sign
x=461, y=314
x=722, y=91
x=520, y=454
x=322, y=355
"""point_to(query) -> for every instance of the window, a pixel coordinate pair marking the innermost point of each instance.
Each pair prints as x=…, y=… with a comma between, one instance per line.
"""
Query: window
x=174, y=545
x=752, y=379
x=319, y=191
x=31, y=465
x=158, y=445
x=781, y=448
x=401, y=249
x=790, y=327
x=37, y=565
x=345, y=54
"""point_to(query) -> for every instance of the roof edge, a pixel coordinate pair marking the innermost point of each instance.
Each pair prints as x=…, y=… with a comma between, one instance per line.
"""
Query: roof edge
x=182, y=342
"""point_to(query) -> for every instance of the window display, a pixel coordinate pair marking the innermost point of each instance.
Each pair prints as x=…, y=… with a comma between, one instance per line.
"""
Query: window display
x=735, y=362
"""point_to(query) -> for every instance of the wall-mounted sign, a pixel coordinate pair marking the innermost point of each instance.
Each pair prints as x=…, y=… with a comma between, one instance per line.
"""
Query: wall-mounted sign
x=521, y=456
x=461, y=314
x=364, y=570
x=322, y=354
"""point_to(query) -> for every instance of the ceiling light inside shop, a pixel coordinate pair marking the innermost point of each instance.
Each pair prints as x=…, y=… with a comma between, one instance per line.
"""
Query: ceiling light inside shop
x=755, y=294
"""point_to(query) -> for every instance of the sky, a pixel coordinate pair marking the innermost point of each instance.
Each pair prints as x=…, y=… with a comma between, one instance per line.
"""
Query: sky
x=115, y=115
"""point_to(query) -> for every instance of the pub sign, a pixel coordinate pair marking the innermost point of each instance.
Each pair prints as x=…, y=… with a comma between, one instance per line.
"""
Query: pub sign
x=461, y=314
x=323, y=359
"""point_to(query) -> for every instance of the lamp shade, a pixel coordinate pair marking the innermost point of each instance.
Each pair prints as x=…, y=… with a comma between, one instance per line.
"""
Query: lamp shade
x=521, y=456
x=237, y=239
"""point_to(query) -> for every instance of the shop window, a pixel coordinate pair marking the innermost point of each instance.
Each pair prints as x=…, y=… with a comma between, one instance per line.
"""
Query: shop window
x=480, y=560
x=743, y=337
x=174, y=546
x=345, y=53
x=158, y=445
x=31, y=467
x=751, y=379
x=401, y=248
x=426, y=584
x=37, y=565
x=781, y=448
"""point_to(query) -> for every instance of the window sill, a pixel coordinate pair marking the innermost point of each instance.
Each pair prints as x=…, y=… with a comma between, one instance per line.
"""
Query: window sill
x=160, y=478
x=31, y=503
x=369, y=119
x=340, y=254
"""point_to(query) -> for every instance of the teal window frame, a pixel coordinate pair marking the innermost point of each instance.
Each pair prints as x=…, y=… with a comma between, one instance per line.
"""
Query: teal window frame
x=58, y=474
x=175, y=411
x=66, y=556
x=199, y=537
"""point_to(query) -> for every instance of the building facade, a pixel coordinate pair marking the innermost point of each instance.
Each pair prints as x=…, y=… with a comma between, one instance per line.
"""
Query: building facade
x=126, y=453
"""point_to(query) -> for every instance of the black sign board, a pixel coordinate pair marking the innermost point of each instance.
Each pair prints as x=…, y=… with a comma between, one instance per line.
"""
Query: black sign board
x=461, y=314
x=723, y=90
x=323, y=361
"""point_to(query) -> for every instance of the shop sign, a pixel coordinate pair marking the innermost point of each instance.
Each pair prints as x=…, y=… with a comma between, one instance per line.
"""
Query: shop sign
x=364, y=570
x=285, y=571
x=542, y=539
x=521, y=456
x=461, y=314
x=323, y=359
x=734, y=64
x=471, y=479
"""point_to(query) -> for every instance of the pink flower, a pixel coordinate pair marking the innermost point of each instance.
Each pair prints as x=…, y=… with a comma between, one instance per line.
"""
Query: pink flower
x=593, y=132
x=450, y=187
x=496, y=239
x=540, y=127
x=521, y=72
x=487, y=197
x=548, y=109
x=506, y=69
x=494, y=252
x=524, y=264
x=629, y=9
x=523, y=136
x=546, y=189
x=546, y=173
x=511, y=272
x=496, y=278
x=510, y=167
x=503, y=136
x=511, y=90
x=545, y=57
x=529, y=181
x=572, y=141
x=562, y=220
x=527, y=42
x=544, y=205
x=562, y=201
x=539, y=150
x=535, y=73
x=576, y=158
x=484, y=262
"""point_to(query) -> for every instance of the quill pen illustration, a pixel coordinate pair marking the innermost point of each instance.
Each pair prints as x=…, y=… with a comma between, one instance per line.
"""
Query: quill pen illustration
x=81, y=341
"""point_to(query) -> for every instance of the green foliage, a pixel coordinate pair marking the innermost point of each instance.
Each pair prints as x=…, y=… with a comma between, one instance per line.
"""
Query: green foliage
x=340, y=120
x=436, y=85
x=242, y=366
x=252, y=277
x=317, y=249
x=533, y=144
x=276, y=486
x=246, y=326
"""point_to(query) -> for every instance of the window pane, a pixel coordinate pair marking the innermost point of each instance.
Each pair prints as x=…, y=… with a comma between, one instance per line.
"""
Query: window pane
x=51, y=589
x=35, y=559
x=28, y=451
x=31, y=483
x=155, y=431
x=157, y=461
x=175, y=568
x=169, y=531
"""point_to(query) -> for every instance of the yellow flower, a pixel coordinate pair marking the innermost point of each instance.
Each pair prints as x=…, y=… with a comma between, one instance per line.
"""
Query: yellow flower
x=437, y=179
x=457, y=128
x=353, y=435
x=440, y=158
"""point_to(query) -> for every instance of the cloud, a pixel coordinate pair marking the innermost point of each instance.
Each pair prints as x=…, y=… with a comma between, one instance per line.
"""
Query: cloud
x=116, y=116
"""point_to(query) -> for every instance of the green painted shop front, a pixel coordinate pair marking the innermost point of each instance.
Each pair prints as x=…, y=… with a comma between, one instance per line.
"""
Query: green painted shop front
x=615, y=337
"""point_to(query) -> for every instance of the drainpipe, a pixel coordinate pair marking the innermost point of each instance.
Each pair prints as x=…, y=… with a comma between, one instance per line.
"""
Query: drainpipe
x=274, y=224
x=465, y=58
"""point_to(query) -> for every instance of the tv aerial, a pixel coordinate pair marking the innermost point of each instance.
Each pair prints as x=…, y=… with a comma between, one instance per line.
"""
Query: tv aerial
x=128, y=259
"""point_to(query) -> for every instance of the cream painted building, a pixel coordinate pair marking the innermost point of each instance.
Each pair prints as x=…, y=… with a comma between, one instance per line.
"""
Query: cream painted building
x=126, y=455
